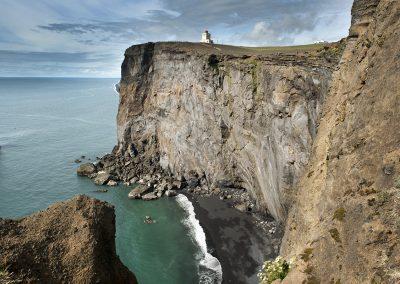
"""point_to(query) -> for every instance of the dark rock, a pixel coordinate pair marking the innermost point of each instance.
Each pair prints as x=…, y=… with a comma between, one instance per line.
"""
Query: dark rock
x=77, y=161
x=86, y=169
x=178, y=184
x=388, y=170
x=170, y=193
x=193, y=182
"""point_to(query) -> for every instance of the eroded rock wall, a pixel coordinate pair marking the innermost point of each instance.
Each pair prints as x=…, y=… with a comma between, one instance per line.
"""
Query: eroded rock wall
x=245, y=121
x=344, y=226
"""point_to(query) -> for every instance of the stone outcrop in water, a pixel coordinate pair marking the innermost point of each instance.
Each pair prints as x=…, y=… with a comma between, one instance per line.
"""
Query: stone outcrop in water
x=232, y=116
x=344, y=225
x=70, y=242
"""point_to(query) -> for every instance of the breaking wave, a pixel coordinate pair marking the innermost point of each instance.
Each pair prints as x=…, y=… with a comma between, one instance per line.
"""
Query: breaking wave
x=210, y=270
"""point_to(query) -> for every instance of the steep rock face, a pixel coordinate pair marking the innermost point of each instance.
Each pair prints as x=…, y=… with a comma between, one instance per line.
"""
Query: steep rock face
x=229, y=115
x=70, y=242
x=344, y=226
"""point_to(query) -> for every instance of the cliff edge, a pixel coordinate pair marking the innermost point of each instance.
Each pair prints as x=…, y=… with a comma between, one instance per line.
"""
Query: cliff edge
x=223, y=115
x=344, y=225
x=70, y=242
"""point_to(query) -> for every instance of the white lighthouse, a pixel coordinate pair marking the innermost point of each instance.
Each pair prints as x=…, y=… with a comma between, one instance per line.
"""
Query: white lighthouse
x=206, y=37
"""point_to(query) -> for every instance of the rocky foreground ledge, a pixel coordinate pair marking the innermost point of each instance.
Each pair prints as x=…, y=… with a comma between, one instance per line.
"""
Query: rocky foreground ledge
x=70, y=242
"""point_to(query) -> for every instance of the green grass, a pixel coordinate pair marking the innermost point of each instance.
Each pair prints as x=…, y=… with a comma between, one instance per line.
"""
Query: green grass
x=274, y=270
x=287, y=49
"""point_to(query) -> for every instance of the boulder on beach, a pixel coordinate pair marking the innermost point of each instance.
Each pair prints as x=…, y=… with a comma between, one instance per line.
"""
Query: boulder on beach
x=138, y=191
x=150, y=196
x=102, y=178
x=86, y=169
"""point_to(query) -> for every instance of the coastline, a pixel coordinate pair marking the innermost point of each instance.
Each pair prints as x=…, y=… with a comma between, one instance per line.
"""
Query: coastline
x=235, y=238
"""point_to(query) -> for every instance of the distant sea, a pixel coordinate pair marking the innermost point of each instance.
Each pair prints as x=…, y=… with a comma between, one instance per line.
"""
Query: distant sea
x=47, y=123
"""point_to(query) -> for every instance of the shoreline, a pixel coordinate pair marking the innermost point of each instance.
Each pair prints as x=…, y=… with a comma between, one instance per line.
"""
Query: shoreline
x=235, y=238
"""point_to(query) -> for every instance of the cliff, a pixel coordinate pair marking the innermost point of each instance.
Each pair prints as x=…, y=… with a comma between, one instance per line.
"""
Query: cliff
x=344, y=224
x=70, y=242
x=233, y=116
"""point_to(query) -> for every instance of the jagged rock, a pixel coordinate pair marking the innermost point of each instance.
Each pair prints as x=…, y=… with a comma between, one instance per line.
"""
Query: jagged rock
x=170, y=193
x=178, y=184
x=134, y=180
x=70, y=242
x=112, y=183
x=150, y=196
x=138, y=191
x=241, y=207
x=102, y=178
x=86, y=169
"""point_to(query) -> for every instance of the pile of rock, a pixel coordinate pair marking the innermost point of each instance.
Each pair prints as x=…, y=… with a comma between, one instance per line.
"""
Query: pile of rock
x=99, y=177
x=151, y=188
x=109, y=171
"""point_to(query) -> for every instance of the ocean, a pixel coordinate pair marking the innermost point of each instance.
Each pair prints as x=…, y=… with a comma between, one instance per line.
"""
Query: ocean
x=47, y=123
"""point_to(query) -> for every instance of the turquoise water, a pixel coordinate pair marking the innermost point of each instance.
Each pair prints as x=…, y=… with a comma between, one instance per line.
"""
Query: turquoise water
x=45, y=124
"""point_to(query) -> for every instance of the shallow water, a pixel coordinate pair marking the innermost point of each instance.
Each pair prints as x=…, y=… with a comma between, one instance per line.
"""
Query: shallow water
x=45, y=124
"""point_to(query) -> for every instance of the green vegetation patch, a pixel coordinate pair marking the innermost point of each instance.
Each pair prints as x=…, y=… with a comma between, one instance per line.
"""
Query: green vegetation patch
x=335, y=235
x=339, y=214
x=306, y=255
x=274, y=270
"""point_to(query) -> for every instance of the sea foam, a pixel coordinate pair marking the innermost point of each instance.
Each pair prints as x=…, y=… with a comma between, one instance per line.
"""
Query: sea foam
x=210, y=270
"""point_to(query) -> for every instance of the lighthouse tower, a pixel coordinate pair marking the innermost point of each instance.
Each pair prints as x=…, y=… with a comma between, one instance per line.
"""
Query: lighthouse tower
x=206, y=37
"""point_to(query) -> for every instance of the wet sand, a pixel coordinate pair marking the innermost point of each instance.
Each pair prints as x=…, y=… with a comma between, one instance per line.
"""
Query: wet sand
x=234, y=238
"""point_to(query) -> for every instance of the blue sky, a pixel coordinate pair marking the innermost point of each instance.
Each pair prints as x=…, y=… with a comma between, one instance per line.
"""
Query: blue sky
x=87, y=38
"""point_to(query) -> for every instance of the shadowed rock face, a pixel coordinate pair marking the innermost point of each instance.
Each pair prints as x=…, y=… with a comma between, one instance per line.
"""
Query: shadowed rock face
x=70, y=242
x=247, y=120
x=344, y=226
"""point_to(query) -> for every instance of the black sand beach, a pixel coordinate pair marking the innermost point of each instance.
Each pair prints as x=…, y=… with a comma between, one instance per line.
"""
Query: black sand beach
x=236, y=238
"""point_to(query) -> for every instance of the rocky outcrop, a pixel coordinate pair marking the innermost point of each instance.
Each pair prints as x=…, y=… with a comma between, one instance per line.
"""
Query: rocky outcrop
x=344, y=226
x=235, y=117
x=70, y=242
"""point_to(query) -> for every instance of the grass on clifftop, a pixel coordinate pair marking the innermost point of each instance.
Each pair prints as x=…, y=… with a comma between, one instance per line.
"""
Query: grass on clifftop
x=246, y=50
x=288, y=49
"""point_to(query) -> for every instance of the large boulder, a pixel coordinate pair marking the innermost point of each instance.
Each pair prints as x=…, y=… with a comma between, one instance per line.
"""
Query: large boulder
x=102, y=178
x=70, y=242
x=150, y=196
x=86, y=169
x=138, y=191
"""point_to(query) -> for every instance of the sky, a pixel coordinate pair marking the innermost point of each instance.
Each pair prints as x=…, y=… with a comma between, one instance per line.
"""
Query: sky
x=87, y=38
